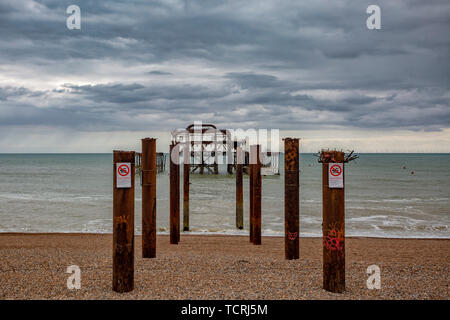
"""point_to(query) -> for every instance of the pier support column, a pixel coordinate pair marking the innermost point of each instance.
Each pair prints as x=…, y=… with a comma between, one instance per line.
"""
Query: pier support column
x=255, y=194
x=148, y=198
x=257, y=197
x=291, y=199
x=333, y=225
x=216, y=162
x=174, y=194
x=123, y=220
x=186, y=172
x=251, y=194
x=239, y=189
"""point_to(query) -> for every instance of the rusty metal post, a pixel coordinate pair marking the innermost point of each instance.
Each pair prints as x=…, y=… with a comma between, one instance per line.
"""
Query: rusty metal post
x=291, y=199
x=257, y=198
x=216, y=154
x=186, y=171
x=174, y=194
x=148, y=198
x=178, y=194
x=123, y=223
x=239, y=189
x=251, y=164
x=229, y=145
x=333, y=227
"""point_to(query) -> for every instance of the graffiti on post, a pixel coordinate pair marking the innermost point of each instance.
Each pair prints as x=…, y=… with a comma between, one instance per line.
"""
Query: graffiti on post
x=333, y=239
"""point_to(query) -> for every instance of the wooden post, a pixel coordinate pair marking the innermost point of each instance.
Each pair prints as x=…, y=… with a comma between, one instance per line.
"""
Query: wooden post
x=123, y=222
x=178, y=195
x=148, y=198
x=251, y=163
x=291, y=199
x=186, y=171
x=239, y=189
x=257, y=198
x=333, y=227
x=174, y=195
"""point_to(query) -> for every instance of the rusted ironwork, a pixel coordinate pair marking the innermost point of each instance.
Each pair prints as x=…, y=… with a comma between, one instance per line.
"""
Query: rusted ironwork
x=257, y=197
x=160, y=163
x=329, y=156
x=207, y=144
x=291, y=198
x=174, y=194
x=255, y=194
x=239, y=189
x=251, y=189
x=186, y=172
x=333, y=227
x=148, y=198
x=123, y=227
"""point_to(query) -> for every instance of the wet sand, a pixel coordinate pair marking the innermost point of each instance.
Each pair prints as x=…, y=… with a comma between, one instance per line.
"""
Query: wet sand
x=33, y=266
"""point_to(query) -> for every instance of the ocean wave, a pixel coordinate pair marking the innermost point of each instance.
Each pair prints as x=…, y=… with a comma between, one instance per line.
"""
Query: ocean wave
x=436, y=232
x=54, y=197
x=265, y=233
x=403, y=200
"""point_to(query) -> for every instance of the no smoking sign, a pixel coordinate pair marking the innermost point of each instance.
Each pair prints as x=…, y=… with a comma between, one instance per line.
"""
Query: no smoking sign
x=336, y=175
x=123, y=176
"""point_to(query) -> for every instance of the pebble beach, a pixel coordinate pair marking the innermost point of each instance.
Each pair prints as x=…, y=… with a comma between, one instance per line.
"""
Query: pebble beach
x=33, y=266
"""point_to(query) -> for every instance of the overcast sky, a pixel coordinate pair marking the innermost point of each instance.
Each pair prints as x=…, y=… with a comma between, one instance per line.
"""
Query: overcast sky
x=143, y=68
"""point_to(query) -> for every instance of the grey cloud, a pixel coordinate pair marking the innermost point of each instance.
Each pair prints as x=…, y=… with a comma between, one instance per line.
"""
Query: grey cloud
x=160, y=73
x=121, y=93
x=9, y=92
x=110, y=106
x=250, y=80
x=262, y=56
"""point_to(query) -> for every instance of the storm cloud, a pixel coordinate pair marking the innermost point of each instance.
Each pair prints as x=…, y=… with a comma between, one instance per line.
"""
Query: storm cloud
x=290, y=65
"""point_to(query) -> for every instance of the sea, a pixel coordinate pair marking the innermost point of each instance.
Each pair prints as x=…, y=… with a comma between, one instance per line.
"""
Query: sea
x=386, y=195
